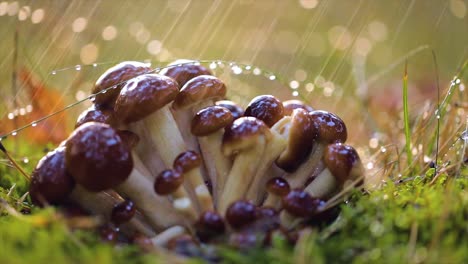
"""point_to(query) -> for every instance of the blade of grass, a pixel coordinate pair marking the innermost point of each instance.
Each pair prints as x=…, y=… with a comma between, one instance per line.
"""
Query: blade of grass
x=406, y=116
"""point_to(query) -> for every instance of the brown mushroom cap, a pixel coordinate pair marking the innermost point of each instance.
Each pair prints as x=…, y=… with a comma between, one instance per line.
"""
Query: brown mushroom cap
x=240, y=214
x=242, y=134
x=278, y=186
x=235, y=109
x=210, y=224
x=184, y=70
x=203, y=87
x=329, y=126
x=290, y=105
x=123, y=212
x=301, y=138
x=97, y=158
x=119, y=73
x=210, y=120
x=143, y=95
x=187, y=161
x=96, y=114
x=266, y=108
x=300, y=204
x=50, y=182
x=129, y=138
x=167, y=182
x=343, y=162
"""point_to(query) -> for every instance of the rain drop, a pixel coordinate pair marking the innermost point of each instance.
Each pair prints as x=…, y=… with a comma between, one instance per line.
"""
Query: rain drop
x=25, y=160
x=53, y=72
x=94, y=64
x=236, y=69
x=272, y=77
x=257, y=71
x=78, y=67
x=33, y=124
x=248, y=67
x=213, y=65
x=14, y=133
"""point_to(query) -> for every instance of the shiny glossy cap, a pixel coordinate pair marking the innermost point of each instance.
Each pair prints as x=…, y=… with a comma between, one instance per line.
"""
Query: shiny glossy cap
x=243, y=133
x=300, y=204
x=266, y=108
x=167, y=182
x=235, y=109
x=290, y=105
x=210, y=120
x=184, y=70
x=187, y=161
x=329, y=126
x=198, y=89
x=343, y=162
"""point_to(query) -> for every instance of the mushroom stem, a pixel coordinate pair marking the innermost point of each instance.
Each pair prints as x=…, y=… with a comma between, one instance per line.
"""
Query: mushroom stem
x=323, y=186
x=201, y=190
x=272, y=200
x=101, y=203
x=240, y=177
x=311, y=166
x=288, y=220
x=165, y=236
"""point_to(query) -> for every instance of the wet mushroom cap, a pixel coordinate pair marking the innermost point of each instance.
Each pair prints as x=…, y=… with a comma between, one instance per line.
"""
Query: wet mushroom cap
x=278, y=186
x=209, y=224
x=50, y=182
x=96, y=114
x=129, y=138
x=116, y=75
x=290, y=105
x=300, y=204
x=343, y=161
x=200, y=88
x=329, y=126
x=97, y=158
x=187, y=161
x=240, y=213
x=266, y=108
x=235, y=109
x=144, y=95
x=210, y=120
x=123, y=212
x=302, y=135
x=167, y=182
x=184, y=70
x=242, y=134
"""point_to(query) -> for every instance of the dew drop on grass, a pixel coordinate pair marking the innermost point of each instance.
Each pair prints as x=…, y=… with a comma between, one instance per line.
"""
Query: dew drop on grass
x=14, y=133
x=53, y=72
x=33, y=124
x=257, y=71
x=78, y=67
x=272, y=77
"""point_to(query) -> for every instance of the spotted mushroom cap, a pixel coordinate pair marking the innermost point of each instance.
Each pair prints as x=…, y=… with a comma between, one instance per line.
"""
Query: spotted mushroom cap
x=330, y=127
x=343, y=162
x=97, y=158
x=187, y=161
x=300, y=204
x=243, y=133
x=50, y=181
x=266, y=108
x=116, y=75
x=184, y=70
x=236, y=110
x=198, y=89
x=278, y=186
x=290, y=105
x=302, y=135
x=167, y=182
x=97, y=114
x=144, y=95
x=210, y=120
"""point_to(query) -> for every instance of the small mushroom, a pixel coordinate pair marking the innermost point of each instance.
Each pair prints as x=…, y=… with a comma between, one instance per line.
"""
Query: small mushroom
x=143, y=104
x=330, y=128
x=266, y=108
x=96, y=114
x=98, y=159
x=298, y=205
x=114, y=79
x=240, y=214
x=184, y=70
x=208, y=125
x=169, y=182
x=234, y=108
x=277, y=188
x=196, y=94
x=245, y=140
x=290, y=105
x=123, y=212
x=342, y=167
x=209, y=226
x=188, y=164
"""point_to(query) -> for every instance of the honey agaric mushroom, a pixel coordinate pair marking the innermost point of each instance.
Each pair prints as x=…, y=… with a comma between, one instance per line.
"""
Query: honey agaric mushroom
x=123, y=212
x=52, y=184
x=208, y=125
x=245, y=139
x=98, y=159
x=96, y=114
x=240, y=213
x=235, y=109
x=277, y=188
x=342, y=167
x=266, y=108
x=196, y=94
x=188, y=164
x=113, y=80
x=169, y=182
x=290, y=105
x=209, y=225
x=330, y=128
x=184, y=70
x=143, y=104
x=297, y=205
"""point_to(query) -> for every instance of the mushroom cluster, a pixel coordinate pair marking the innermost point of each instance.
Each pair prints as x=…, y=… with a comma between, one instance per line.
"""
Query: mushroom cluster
x=169, y=162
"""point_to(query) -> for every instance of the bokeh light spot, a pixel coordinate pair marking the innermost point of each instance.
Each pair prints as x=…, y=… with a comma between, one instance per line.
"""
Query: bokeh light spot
x=79, y=24
x=458, y=8
x=37, y=16
x=154, y=47
x=308, y=4
x=377, y=30
x=89, y=53
x=109, y=33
